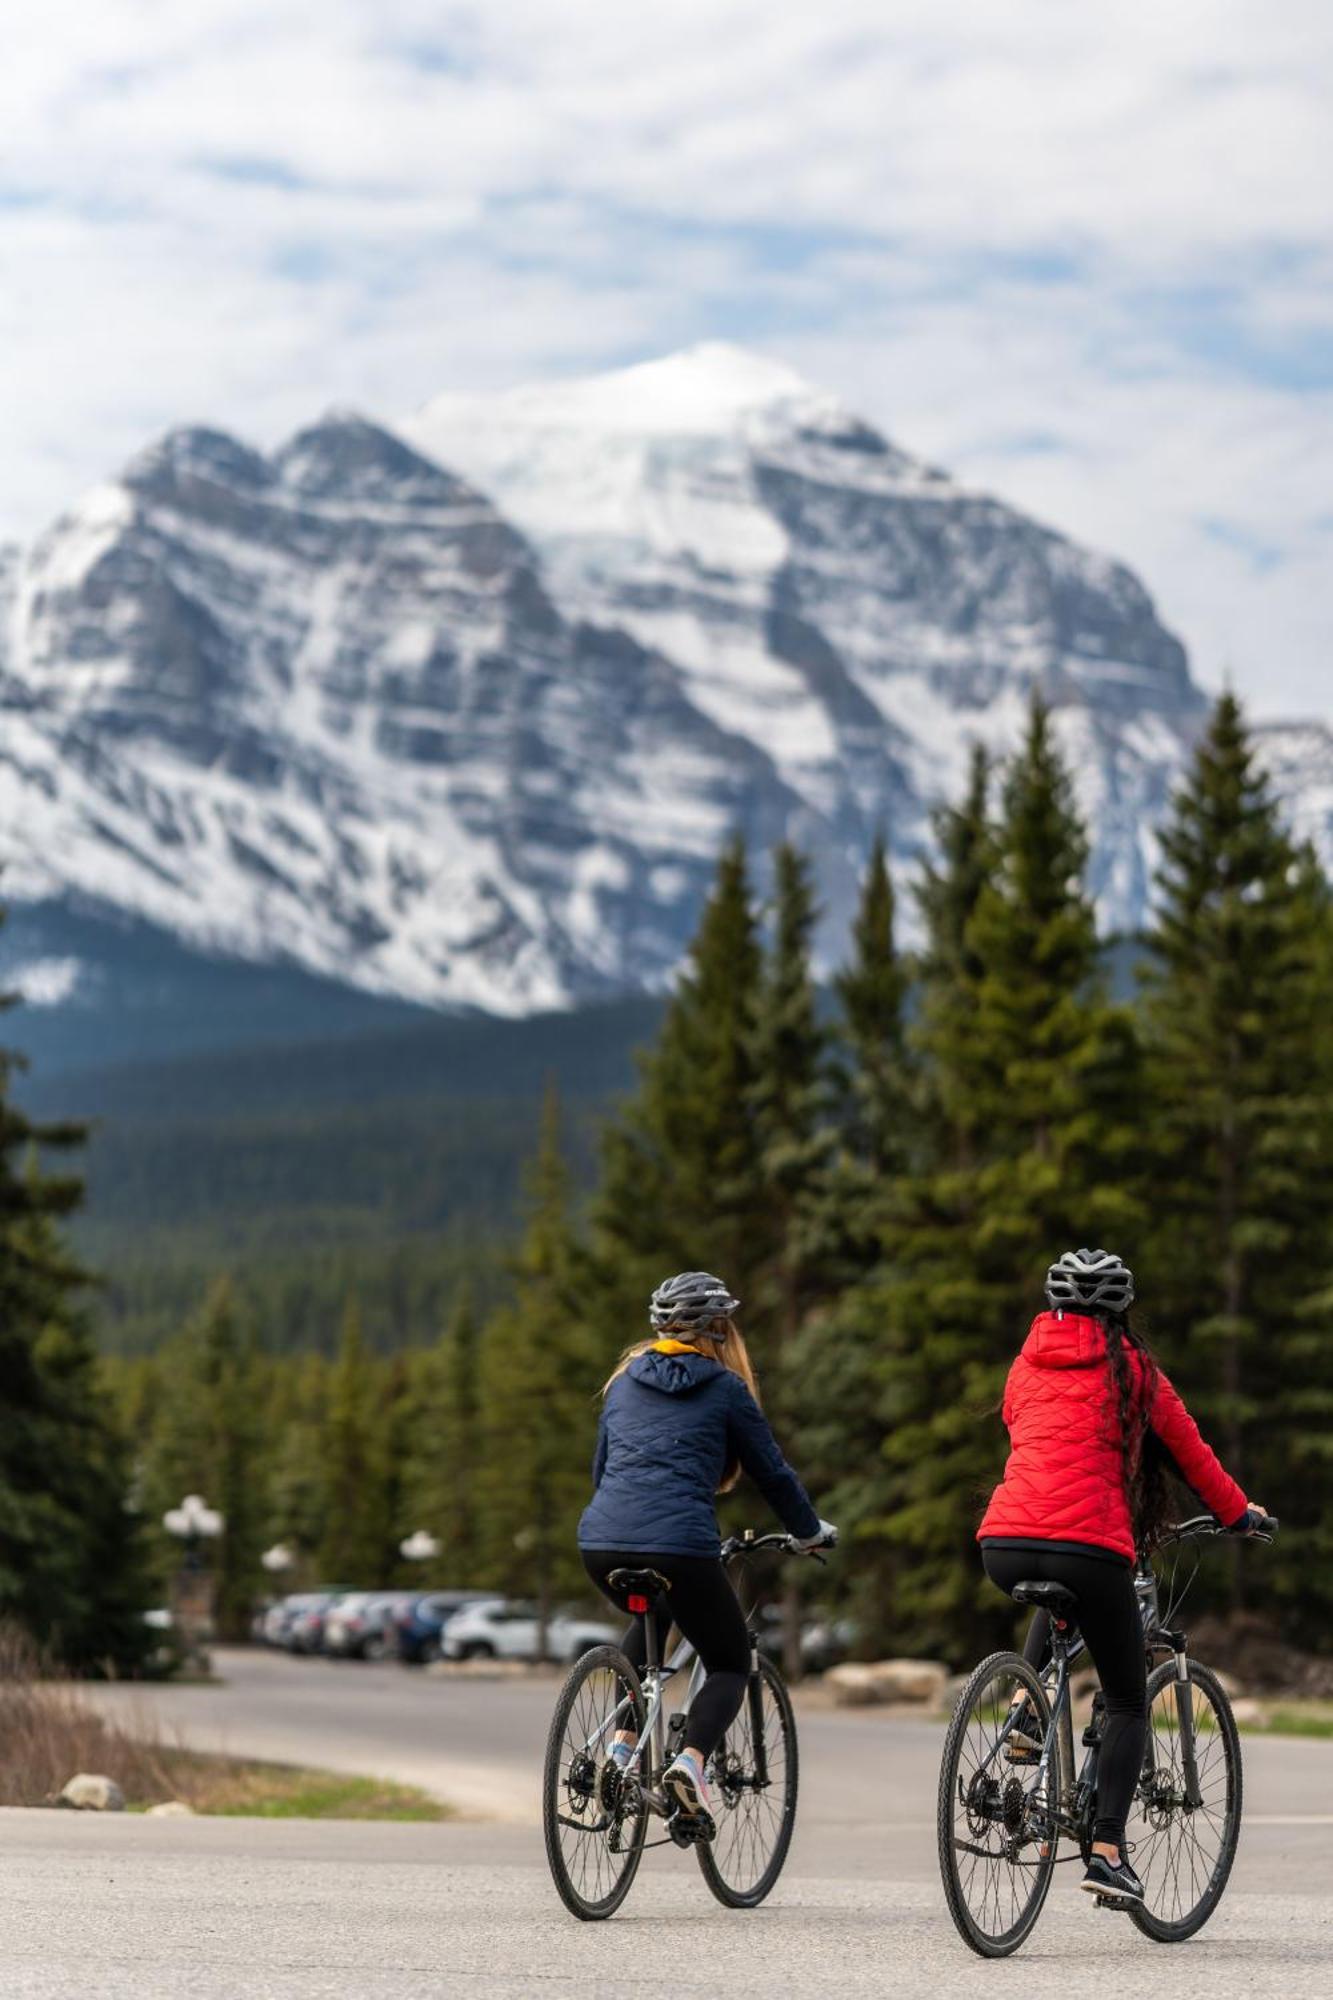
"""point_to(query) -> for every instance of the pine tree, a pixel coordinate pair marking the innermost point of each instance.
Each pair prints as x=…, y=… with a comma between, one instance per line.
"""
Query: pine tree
x=446, y=1447
x=354, y=1551
x=840, y=1356
x=209, y=1439
x=1241, y=1260
x=791, y=1095
x=872, y=997
x=537, y=1380
x=682, y=1184
x=298, y=1490
x=70, y=1555
x=1026, y=1147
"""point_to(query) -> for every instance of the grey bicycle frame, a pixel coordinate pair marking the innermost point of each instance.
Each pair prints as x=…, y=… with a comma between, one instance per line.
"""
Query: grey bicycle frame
x=1072, y=1791
x=653, y=1735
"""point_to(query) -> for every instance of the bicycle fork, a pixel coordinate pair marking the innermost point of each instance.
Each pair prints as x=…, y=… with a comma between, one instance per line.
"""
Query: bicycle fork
x=1184, y=1690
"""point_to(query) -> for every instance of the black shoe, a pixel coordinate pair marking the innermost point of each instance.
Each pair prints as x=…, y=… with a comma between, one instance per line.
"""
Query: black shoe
x=1115, y=1882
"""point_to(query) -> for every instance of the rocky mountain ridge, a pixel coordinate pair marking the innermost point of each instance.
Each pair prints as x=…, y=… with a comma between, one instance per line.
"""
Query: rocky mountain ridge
x=460, y=712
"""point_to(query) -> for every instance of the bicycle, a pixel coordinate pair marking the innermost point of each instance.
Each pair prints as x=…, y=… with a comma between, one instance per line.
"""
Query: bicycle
x=595, y=1816
x=1009, y=1791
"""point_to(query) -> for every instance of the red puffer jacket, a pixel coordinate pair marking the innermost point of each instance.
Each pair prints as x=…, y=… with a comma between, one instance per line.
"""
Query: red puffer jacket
x=1063, y=1482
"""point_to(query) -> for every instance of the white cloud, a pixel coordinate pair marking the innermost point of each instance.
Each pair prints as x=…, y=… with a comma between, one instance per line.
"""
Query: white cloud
x=1080, y=254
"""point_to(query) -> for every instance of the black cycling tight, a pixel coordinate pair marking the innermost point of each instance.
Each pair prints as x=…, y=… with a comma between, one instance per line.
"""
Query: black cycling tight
x=1108, y=1617
x=704, y=1608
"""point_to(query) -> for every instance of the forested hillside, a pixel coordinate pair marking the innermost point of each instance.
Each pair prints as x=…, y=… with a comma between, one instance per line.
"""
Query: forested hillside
x=884, y=1188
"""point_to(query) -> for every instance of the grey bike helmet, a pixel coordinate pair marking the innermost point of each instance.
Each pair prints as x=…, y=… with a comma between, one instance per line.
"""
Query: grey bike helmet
x=1083, y=1280
x=692, y=1298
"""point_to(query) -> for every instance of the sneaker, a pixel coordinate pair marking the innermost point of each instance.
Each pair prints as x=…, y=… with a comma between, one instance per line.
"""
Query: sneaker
x=685, y=1777
x=1116, y=1881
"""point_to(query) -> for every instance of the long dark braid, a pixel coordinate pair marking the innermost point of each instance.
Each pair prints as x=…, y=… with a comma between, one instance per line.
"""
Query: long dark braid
x=1143, y=1463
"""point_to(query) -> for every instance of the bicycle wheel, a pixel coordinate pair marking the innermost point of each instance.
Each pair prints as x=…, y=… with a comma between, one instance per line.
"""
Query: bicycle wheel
x=991, y=1826
x=594, y=1818
x=754, y=1806
x=1181, y=1853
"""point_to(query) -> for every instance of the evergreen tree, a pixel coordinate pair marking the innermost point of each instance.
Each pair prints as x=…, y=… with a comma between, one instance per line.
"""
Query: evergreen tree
x=354, y=1551
x=1026, y=1147
x=298, y=1508
x=682, y=1184
x=538, y=1375
x=70, y=1568
x=839, y=1358
x=872, y=997
x=209, y=1439
x=447, y=1447
x=1241, y=1260
x=791, y=1094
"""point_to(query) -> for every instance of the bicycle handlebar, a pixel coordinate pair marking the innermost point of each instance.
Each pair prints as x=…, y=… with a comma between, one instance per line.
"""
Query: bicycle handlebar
x=1205, y=1527
x=748, y=1543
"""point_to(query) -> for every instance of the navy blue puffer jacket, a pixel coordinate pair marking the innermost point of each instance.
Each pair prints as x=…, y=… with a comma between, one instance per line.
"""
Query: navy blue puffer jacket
x=671, y=1425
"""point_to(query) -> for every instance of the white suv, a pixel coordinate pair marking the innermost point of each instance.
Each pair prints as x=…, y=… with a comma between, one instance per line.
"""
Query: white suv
x=505, y=1628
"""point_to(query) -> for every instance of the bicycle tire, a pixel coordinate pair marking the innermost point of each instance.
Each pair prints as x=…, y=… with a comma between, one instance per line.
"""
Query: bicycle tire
x=561, y=1787
x=741, y=1814
x=953, y=1793
x=1152, y=1859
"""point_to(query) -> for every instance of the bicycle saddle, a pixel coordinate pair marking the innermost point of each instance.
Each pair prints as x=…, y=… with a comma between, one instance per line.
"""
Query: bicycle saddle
x=639, y=1583
x=1047, y=1596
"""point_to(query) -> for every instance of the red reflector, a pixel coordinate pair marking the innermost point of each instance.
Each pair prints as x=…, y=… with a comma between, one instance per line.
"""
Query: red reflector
x=637, y=1603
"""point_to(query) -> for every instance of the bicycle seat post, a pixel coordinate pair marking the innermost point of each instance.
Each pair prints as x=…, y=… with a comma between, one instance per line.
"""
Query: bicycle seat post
x=641, y=1607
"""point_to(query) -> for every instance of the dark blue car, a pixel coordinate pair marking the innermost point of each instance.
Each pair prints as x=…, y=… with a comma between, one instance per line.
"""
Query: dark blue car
x=420, y=1623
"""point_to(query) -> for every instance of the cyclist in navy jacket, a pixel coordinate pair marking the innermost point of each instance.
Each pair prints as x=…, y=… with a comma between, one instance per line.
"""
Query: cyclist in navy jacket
x=680, y=1423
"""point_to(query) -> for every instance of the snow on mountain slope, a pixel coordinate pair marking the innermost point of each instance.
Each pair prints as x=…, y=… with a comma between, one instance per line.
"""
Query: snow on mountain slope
x=862, y=613
x=462, y=715
x=319, y=708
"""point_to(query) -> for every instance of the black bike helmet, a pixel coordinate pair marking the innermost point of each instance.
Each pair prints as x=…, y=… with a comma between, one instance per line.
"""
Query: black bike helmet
x=1083, y=1280
x=694, y=1299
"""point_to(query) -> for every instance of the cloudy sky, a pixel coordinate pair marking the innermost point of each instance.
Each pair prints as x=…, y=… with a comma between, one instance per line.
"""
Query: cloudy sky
x=1083, y=255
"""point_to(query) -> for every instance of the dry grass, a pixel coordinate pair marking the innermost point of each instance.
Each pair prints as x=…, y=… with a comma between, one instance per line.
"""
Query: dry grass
x=49, y=1731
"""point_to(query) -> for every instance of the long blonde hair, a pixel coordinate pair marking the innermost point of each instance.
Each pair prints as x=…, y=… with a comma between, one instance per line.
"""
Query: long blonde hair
x=728, y=1347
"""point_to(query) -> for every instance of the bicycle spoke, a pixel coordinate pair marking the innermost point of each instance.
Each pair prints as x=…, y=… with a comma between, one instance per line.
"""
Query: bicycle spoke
x=991, y=1825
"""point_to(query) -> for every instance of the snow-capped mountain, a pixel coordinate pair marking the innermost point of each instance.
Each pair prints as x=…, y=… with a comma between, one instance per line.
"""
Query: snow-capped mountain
x=460, y=713
x=319, y=707
x=862, y=614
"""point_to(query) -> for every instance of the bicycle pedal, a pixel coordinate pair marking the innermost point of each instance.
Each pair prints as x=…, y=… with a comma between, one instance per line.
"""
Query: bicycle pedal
x=1110, y=1903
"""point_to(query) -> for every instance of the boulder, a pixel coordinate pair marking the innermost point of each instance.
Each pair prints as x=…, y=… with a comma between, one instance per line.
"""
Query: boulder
x=1249, y=1713
x=864, y=1684
x=89, y=1792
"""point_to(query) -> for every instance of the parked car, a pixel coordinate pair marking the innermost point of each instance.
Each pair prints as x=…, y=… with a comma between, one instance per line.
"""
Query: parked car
x=420, y=1624
x=360, y=1625
x=303, y=1629
x=500, y=1628
x=825, y=1642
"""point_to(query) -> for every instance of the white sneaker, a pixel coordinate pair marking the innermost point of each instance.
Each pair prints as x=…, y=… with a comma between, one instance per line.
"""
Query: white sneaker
x=685, y=1777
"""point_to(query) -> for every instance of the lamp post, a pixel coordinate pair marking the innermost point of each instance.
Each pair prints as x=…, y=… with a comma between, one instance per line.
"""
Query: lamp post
x=194, y=1524
x=278, y=1560
x=420, y=1546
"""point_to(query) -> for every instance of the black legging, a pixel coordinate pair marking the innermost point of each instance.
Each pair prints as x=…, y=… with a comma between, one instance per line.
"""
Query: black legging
x=704, y=1608
x=1108, y=1618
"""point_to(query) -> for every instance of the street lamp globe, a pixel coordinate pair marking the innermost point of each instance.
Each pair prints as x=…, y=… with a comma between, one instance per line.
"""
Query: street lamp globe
x=420, y=1546
x=193, y=1520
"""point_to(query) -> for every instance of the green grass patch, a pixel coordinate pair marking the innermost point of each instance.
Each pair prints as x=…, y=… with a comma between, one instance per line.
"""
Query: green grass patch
x=243, y=1787
x=1305, y=1718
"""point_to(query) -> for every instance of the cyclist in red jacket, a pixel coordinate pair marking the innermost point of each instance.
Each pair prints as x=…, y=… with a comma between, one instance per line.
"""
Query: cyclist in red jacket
x=1092, y=1424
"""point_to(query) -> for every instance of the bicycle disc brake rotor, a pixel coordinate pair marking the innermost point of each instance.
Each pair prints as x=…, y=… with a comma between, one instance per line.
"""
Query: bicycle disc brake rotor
x=981, y=1802
x=581, y=1782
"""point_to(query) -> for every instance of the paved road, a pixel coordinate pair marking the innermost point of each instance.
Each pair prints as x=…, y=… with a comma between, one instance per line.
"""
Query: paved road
x=216, y=1909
